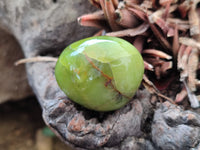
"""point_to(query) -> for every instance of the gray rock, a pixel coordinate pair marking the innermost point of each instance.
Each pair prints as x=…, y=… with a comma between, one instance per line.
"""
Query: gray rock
x=133, y=143
x=43, y=27
x=13, y=79
x=79, y=126
x=175, y=129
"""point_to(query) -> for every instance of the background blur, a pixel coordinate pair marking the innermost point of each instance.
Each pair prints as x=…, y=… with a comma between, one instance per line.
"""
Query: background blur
x=21, y=123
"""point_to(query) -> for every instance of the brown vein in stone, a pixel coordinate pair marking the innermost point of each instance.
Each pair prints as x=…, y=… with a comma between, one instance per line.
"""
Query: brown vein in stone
x=108, y=78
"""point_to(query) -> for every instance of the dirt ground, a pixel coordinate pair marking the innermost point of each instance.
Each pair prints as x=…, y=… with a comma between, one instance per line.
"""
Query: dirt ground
x=21, y=125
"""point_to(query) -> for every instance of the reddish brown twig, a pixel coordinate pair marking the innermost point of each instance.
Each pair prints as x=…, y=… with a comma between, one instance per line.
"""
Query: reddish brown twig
x=96, y=3
x=111, y=16
x=175, y=45
x=115, y=3
x=148, y=66
x=156, y=53
x=125, y=18
x=139, y=42
x=95, y=19
x=152, y=89
x=130, y=32
x=181, y=95
x=138, y=13
x=184, y=8
x=166, y=45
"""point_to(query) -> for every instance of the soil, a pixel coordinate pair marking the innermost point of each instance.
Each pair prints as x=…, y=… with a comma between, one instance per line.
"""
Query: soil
x=20, y=123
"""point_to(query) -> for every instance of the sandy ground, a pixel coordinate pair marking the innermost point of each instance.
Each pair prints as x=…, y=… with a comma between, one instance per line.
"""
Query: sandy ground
x=20, y=126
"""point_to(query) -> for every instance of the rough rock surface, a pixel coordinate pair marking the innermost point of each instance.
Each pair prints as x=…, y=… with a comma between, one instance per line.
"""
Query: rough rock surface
x=175, y=129
x=45, y=28
x=13, y=80
x=82, y=127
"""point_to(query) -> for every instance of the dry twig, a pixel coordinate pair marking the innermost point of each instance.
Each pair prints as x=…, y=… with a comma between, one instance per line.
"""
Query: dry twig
x=36, y=59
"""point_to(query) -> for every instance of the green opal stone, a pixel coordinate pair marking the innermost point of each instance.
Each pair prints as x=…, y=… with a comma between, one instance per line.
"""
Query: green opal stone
x=100, y=73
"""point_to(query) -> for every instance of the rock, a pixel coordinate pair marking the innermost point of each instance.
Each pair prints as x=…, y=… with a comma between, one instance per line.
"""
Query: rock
x=81, y=127
x=44, y=27
x=133, y=143
x=175, y=129
x=13, y=80
x=41, y=28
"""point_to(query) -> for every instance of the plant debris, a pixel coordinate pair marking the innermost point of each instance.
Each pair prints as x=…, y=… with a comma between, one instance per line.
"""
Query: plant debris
x=36, y=59
x=167, y=34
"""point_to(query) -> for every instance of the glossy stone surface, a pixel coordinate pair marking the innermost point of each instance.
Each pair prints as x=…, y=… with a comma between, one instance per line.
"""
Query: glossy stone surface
x=100, y=73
